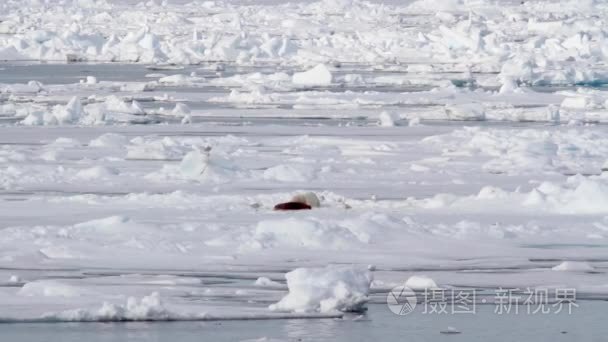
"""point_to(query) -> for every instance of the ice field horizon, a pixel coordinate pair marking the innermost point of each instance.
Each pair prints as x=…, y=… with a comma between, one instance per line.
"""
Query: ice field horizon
x=458, y=150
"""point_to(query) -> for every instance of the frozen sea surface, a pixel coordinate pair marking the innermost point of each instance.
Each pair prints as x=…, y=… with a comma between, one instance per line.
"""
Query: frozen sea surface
x=101, y=213
x=452, y=144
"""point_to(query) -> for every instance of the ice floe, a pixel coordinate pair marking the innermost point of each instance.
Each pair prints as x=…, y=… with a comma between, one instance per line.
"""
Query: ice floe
x=325, y=290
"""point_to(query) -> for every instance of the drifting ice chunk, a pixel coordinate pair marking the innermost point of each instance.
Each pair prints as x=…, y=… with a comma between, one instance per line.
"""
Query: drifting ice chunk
x=588, y=197
x=318, y=75
x=413, y=122
x=508, y=85
x=573, y=266
x=325, y=289
x=450, y=330
x=10, y=53
x=70, y=113
x=535, y=197
x=263, y=281
x=96, y=173
x=202, y=166
x=420, y=283
x=136, y=108
x=469, y=111
x=109, y=140
x=116, y=104
x=579, y=102
x=180, y=109
x=194, y=164
x=31, y=87
x=177, y=80
x=388, y=119
x=34, y=119
x=149, y=308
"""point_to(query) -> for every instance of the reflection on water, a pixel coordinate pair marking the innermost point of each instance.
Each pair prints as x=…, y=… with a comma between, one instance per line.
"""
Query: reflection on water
x=327, y=329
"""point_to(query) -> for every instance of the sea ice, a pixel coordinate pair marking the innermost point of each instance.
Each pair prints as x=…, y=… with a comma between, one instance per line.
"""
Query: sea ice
x=343, y=288
x=316, y=76
x=51, y=288
x=388, y=119
x=469, y=111
x=149, y=308
x=420, y=282
x=573, y=266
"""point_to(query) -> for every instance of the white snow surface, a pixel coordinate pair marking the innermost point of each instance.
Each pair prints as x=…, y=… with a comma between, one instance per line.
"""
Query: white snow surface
x=148, y=308
x=158, y=173
x=420, y=282
x=318, y=75
x=536, y=42
x=325, y=289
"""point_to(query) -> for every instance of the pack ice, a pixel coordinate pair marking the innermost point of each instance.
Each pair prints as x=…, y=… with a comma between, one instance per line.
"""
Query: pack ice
x=144, y=145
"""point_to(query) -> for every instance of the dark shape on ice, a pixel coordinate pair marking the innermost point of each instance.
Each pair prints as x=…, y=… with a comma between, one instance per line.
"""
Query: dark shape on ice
x=292, y=206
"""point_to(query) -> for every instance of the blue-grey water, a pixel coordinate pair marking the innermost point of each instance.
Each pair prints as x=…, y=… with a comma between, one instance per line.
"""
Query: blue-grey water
x=586, y=323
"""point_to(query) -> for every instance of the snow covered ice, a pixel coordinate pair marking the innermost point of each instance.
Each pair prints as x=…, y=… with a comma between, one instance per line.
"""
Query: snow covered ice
x=325, y=290
x=450, y=144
